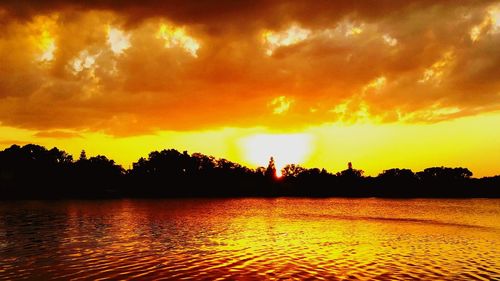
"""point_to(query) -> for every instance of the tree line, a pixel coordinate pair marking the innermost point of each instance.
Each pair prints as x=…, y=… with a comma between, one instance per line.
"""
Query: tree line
x=34, y=172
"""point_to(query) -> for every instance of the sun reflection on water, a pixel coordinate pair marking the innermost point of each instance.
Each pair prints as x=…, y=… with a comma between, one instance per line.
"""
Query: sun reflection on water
x=296, y=239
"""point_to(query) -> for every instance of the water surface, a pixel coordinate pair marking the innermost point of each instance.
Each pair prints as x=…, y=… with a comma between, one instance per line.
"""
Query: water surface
x=251, y=239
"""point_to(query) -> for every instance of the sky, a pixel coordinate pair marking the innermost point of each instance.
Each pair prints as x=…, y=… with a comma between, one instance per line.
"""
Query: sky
x=381, y=84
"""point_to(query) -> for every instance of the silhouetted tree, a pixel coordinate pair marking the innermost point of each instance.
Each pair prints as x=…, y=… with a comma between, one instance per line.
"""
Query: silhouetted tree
x=292, y=170
x=32, y=171
x=271, y=169
x=445, y=173
x=353, y=179
x=445, y=182
x=397, y=183
x=83, y=155
x=97, y=176
x=261, y=171
x=350, y=172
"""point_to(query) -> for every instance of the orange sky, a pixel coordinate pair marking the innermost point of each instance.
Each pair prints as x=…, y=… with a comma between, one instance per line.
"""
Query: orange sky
x=380, y=83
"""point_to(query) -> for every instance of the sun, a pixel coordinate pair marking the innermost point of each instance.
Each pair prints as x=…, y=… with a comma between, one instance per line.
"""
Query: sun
x=284, y=148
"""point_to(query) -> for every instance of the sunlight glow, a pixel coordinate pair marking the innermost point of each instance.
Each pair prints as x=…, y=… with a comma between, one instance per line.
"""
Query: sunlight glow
x=446, y=110
x=494, y=13
x=285, y=148
x=83, y=61
x=354, y=30
x=47, y=46
x=279, y=173
x=370, y=147
x=177, y=37
x=375, y=84
x=436, y=71
x=118, y=41
x=389, y=40
x=291, y=36
x=281, y=105
x=475, y=32
x=490, y=24
x=43, y=30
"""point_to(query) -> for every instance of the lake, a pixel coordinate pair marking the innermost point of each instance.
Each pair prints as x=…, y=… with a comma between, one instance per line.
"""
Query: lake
x=251, y=239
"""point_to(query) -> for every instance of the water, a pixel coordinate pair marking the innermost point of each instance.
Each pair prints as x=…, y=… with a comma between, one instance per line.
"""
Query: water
x=251, y=239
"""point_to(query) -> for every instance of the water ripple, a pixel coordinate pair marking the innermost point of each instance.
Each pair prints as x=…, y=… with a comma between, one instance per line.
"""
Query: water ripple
x=292, y=239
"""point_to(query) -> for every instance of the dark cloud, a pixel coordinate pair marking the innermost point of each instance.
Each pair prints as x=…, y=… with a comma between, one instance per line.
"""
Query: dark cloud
x=229, y=11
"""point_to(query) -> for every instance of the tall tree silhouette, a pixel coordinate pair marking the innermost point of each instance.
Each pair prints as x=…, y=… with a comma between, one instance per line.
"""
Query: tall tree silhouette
x=350, y=172
x=271, y=169
x=83, y=155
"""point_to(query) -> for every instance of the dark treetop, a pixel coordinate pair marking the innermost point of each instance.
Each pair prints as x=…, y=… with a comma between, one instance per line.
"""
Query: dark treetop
x=33, y=172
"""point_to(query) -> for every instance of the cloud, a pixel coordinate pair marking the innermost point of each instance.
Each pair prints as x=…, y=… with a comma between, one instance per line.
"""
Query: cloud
x=57, y=134
x=124, y=67
x=9, y=142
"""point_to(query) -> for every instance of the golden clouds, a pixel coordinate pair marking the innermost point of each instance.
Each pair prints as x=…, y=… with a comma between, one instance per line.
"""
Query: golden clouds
x=376, y=84
x=118, y=40
x=47, y=47
x=177, y=37
x=436, y=71
x=132, y=69
x=290, y=36
x=83, y=61
x=389, y=40
x=489, y=25
x=43, y=29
